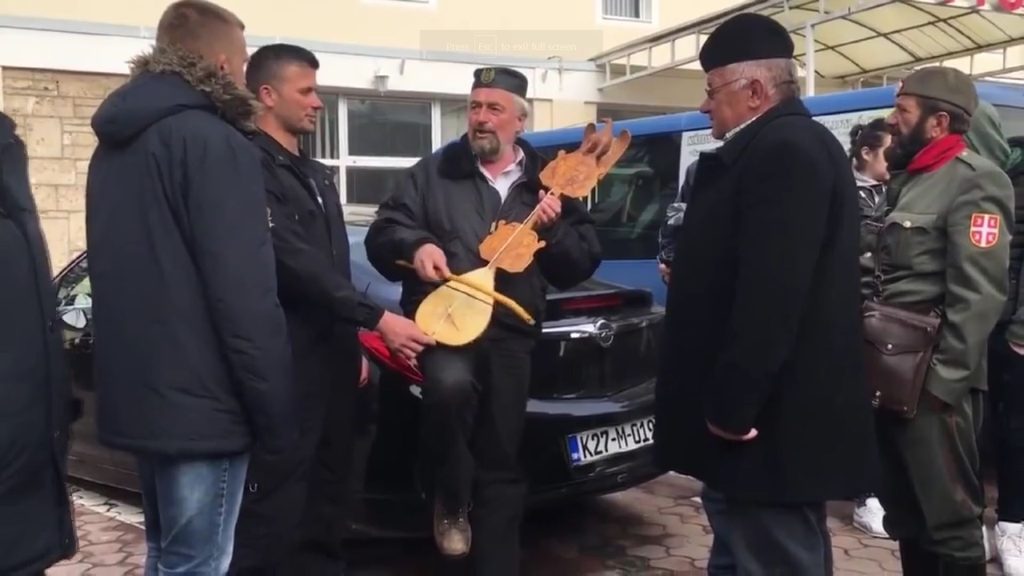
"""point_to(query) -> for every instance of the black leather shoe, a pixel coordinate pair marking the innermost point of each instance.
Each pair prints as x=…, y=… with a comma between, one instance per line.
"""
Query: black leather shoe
x=917, y=561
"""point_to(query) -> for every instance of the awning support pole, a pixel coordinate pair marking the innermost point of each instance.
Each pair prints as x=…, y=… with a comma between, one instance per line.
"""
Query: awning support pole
x=809, y=58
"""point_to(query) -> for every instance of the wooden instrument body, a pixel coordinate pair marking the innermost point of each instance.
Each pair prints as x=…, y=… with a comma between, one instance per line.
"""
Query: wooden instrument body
x=456, y=314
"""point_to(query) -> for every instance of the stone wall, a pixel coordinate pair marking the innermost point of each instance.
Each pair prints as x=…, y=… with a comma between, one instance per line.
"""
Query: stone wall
x=53, y=111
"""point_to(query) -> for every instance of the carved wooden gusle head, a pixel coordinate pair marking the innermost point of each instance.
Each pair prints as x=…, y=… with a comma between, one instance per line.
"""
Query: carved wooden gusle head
x=575, y=174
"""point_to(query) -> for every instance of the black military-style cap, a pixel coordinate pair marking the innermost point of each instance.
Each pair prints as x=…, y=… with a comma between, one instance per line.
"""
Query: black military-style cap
x=501, y=78
x=944, y=84
x=745, y=37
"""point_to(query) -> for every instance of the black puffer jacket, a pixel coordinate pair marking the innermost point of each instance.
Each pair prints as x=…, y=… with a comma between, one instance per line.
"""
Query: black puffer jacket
x=444, y=199
x=871, y=200
x=36, y=529
x=1016, y=174
x=191, y=355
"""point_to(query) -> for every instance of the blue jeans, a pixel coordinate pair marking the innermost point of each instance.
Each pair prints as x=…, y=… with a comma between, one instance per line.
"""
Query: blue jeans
x=191, y=506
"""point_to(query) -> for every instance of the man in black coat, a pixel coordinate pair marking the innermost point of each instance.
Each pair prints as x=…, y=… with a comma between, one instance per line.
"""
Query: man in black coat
x=294, y=512
x=761, y=393
x=474, y=397
x=37, y=530
x=192, y=364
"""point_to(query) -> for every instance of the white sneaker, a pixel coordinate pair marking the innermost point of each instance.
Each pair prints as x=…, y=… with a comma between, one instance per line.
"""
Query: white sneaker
x=868, y=516
x=1010, y=544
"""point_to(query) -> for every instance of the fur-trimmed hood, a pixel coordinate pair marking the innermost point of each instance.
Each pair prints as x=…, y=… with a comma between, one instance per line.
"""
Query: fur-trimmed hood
x=167, y=81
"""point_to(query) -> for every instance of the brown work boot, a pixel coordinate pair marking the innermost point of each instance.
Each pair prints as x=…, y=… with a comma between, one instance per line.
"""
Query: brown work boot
x=451, y=531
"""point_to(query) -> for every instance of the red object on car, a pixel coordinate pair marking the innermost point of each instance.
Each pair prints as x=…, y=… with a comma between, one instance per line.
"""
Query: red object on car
x=374, y=346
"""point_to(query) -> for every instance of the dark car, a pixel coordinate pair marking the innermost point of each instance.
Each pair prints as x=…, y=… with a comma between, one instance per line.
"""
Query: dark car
x=589, y=417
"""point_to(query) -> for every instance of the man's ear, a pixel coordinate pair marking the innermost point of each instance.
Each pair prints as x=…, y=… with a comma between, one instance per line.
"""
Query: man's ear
x=266, y=95
x=221, y=63
x=758, y=92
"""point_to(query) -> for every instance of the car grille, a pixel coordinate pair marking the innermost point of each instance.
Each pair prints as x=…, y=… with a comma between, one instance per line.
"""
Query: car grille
x=581, y=367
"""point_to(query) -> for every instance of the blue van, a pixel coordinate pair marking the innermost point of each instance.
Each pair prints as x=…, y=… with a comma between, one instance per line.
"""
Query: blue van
x=630, y=202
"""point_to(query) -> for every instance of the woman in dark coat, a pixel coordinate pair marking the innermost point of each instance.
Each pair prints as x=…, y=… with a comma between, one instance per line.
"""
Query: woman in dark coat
x=36, y=530
x=868, y=143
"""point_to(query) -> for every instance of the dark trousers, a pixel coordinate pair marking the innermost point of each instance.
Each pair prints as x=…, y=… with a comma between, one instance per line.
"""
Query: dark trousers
x=295, y=505
x=767, y=540
x=931, y=484
x=1006, y=392
x=474, y=404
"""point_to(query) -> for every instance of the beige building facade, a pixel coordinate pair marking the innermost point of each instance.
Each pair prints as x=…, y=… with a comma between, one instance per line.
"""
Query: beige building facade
x=394, y=74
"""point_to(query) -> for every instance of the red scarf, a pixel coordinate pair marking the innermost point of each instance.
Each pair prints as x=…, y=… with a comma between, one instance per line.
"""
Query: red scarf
x=936, y=154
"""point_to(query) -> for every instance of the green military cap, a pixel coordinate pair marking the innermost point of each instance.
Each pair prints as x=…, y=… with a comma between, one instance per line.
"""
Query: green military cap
x=944, y=84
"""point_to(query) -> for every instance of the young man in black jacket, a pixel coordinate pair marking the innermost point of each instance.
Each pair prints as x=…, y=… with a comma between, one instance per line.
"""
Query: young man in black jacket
x=474, y=397
x=191, y=358
x=294, y=511
x=37, y=530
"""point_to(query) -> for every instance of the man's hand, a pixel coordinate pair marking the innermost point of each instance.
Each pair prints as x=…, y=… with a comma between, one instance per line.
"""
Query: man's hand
x=1018, y=348
x=403, y=336
x=431, y=264
x=732, y=437
x=549, y=208
x=665, y=271
x=364, y=372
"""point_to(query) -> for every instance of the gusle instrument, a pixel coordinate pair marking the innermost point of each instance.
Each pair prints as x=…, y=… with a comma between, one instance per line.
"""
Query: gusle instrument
x=459, y=311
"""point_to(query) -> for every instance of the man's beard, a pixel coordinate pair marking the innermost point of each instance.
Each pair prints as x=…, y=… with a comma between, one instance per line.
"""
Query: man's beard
x=904, y=148
x=487, y=147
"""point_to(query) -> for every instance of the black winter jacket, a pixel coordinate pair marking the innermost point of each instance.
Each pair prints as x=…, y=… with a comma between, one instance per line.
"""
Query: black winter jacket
x=763, y=324
x=1016, y=174
x=322, y=307
x=445, y=200
x=872, y=202
x=191, y=349
x=36, y=529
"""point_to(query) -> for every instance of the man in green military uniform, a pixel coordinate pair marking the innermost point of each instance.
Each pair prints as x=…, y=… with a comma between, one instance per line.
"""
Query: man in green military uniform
x=944, y=243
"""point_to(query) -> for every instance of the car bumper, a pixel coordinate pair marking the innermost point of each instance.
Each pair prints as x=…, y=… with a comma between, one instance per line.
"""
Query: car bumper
x=549, y=422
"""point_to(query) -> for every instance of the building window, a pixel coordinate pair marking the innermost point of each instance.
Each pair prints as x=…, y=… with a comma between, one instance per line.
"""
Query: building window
x=454, y=117
x=369, y=142
x=395, y=128
x=637, y=10
x=323, y=144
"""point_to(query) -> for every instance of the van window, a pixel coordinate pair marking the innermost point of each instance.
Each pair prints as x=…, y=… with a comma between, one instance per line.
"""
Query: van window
x=629, y=204
x=1013, y=120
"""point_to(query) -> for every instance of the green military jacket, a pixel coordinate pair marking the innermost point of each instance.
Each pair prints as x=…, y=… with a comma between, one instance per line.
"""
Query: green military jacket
x=945, y=241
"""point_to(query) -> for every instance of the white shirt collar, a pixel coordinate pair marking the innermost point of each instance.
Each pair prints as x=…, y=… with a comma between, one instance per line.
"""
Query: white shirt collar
x=734, y=131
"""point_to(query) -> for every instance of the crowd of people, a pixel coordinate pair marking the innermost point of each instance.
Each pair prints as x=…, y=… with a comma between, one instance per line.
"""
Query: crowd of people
x=836, y=319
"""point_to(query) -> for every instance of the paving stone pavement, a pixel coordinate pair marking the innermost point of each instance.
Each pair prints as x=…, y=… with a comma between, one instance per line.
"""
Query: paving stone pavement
x=653, y=530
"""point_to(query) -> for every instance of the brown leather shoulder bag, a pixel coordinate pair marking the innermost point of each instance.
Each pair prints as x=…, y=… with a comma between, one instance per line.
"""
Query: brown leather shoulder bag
x=898, y=348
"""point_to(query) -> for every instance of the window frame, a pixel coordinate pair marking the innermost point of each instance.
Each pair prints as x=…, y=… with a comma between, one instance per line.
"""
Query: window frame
x=650, y=6
x=346, y=160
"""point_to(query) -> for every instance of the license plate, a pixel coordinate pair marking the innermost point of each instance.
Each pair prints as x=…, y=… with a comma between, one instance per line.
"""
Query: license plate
x=591, y=445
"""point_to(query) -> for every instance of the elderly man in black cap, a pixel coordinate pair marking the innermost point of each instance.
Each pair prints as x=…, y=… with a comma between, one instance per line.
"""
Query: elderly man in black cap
x=761, y=393
x=474, y=397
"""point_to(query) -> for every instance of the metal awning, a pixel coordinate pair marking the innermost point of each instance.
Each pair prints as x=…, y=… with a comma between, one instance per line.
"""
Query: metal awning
x=849, y=39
